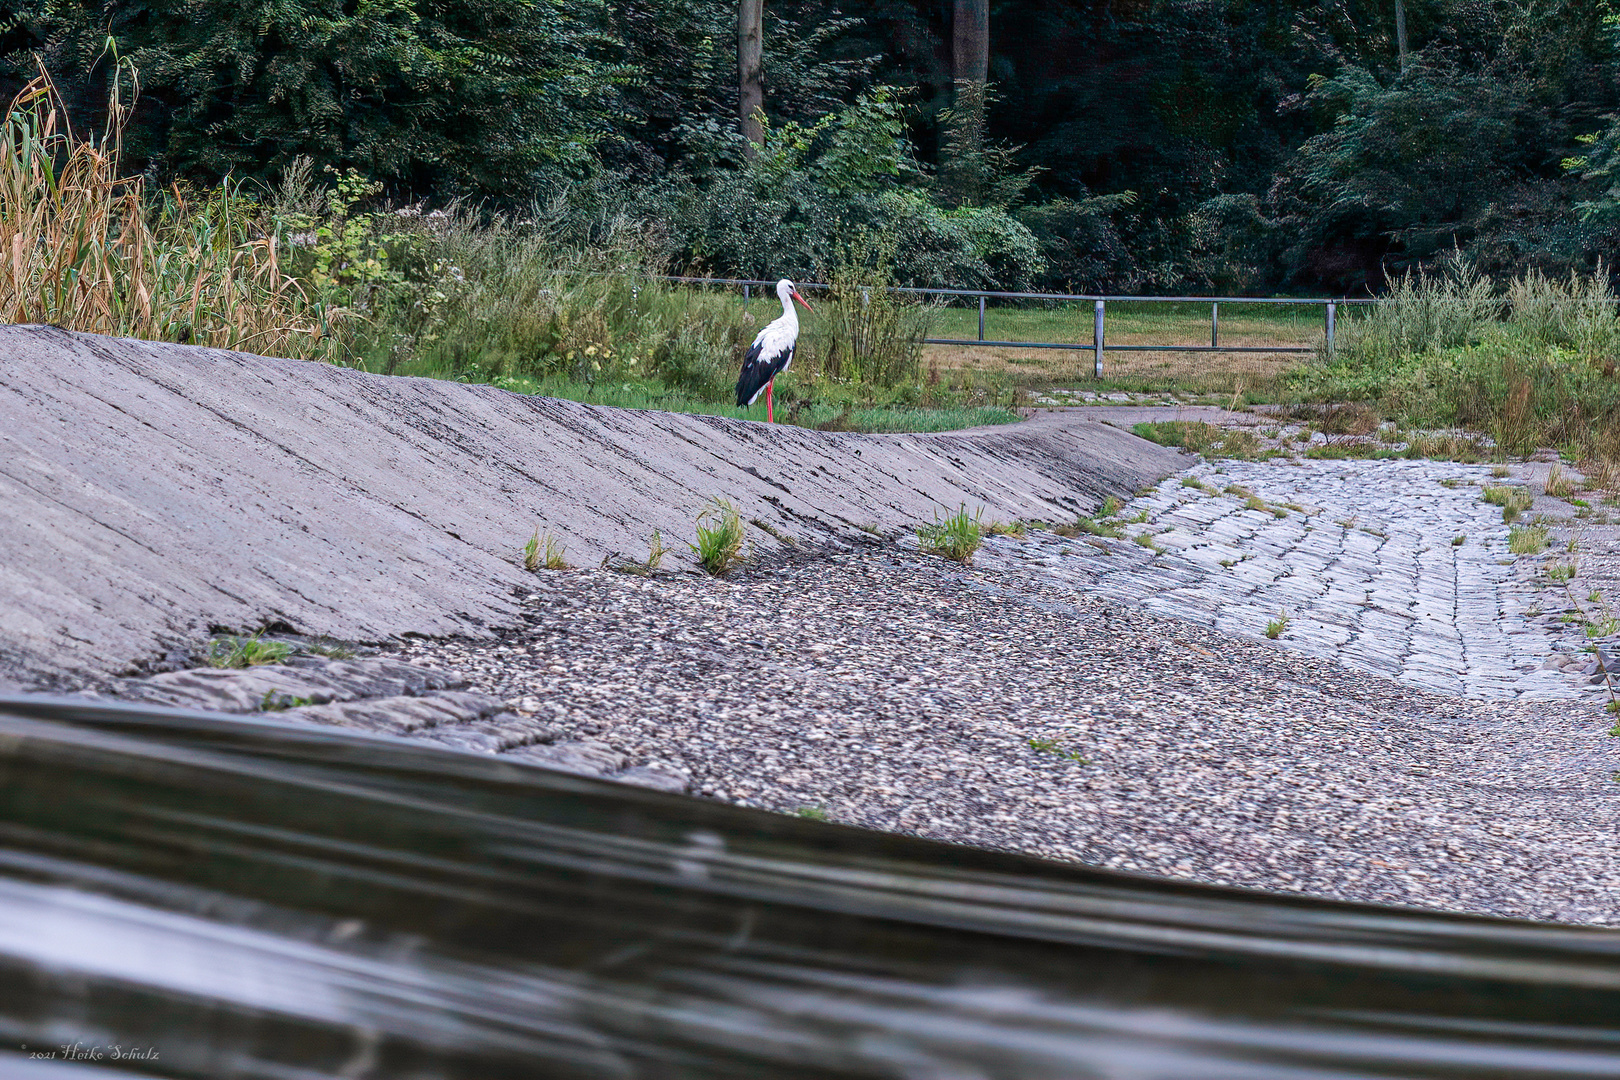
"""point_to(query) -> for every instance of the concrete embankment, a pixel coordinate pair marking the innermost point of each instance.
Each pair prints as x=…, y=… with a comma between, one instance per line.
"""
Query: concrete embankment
x=151, y=492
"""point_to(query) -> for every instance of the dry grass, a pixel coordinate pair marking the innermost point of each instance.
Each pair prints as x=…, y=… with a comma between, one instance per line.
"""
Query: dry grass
x=83, y=248
x=1559, y=485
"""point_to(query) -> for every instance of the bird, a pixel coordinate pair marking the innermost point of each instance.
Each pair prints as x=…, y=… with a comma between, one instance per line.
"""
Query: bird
x=771, y=352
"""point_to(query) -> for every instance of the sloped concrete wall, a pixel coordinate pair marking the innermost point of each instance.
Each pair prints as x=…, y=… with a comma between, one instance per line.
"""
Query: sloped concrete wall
x=149, y=492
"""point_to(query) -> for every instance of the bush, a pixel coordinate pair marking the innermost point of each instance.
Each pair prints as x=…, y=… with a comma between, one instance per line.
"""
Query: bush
x=865, y=332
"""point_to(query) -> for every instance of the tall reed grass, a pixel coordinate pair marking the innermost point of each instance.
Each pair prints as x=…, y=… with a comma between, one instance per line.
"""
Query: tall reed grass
x=1533, y=364
x=83, y=248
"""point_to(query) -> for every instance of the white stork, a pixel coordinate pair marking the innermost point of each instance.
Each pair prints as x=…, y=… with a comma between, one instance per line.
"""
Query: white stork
x=771, y=352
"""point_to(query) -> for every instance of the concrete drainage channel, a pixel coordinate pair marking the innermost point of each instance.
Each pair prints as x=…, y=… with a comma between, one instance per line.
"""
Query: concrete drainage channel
x=1392, y=567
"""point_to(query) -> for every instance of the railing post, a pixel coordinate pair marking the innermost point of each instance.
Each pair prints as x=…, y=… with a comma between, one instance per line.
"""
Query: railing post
x=1097, y=339
x=1214, y=326
x=1330, y=313
x=981, y=318
x=747, y=291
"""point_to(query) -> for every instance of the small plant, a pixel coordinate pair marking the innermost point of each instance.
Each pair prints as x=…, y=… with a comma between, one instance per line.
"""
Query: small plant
x=1276, y=627
x=1561, y=571
x=719, y=538
x=278, y=702
x=1459, y=541
x=1110, y=507
x=1228, y=563
x=1559, y=485
x=655, y=550
x=655, y=555
x=955, y=537
x=543, y=552
x=1607, y=626
x=1192, y=482
x=1054, y=746
x=235, y=652
x=813, y=813
x=329, y=649
x=1145, y=539
x=870, y=528
x=1513, y=500
x=1500, y=471
x=1450, y=483
x=771, y=530
x=1002, y=528
x=1527, y=539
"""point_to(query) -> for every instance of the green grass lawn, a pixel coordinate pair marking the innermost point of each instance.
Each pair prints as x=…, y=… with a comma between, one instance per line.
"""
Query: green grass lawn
x=1137, y=323
x=1126, y=322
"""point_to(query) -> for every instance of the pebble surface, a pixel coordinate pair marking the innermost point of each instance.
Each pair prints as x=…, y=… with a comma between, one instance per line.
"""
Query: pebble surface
x=1004, y=706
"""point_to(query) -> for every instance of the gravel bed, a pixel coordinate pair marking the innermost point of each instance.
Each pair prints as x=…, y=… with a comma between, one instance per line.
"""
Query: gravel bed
x=896, y=691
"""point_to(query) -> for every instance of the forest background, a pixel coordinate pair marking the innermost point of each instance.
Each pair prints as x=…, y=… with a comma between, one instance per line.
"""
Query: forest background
x=1117, y=145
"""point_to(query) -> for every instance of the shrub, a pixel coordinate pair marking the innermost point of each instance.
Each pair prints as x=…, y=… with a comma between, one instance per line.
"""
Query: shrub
x=866, y=332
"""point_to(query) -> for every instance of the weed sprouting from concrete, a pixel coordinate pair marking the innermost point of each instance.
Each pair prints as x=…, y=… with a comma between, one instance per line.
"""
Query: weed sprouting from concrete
x=955, y=537
x=1559, y=485
x=1527, y=539
x=239, y=652
x=719, y=538
x=543, y=552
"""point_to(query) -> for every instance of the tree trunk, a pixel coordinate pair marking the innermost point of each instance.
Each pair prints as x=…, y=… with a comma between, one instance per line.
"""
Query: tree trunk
x=970, y=41
x=961, y=163
x=1400, y=32
x=750, y=84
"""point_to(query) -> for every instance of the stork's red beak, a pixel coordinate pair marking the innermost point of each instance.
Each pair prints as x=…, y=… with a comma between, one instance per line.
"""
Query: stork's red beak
x=800, y=299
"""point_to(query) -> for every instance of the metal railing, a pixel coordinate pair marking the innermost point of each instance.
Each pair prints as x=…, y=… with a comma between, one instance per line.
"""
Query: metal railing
x=1099, y=340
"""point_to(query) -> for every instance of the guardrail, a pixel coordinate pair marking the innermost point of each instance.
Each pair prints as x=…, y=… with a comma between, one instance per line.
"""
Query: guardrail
x=1098, y=343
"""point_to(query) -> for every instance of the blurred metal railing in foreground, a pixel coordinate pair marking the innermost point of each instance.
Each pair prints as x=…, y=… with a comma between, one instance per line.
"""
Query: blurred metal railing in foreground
x=1098, y=343
x=224, y=896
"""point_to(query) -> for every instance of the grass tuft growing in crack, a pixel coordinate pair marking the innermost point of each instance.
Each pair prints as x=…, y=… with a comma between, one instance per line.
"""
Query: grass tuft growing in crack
x=274, y=701
x=1527, y=539
x=240, y=652
x=543, y=553
x=719, y=538
x=1278, y=626
x=955, y=537
x=1513, y=500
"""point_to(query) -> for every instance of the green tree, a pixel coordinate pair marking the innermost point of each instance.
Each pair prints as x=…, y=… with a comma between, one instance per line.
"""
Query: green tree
x=443, y=94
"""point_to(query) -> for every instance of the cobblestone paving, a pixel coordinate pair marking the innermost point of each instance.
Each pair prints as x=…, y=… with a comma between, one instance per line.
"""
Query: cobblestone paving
x=1394, y=567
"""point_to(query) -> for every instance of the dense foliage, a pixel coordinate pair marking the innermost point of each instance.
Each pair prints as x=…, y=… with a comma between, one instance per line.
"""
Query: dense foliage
x=1230, y=145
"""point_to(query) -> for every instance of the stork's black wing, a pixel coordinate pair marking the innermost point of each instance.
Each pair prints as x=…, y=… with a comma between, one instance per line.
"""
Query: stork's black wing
x=758, y=369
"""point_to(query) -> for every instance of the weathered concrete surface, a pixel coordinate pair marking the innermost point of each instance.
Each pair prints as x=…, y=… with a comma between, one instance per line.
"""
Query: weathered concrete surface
x=149, y=492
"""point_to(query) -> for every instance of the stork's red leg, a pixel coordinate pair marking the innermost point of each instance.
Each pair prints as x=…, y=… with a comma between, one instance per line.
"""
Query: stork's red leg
x=770, y=417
